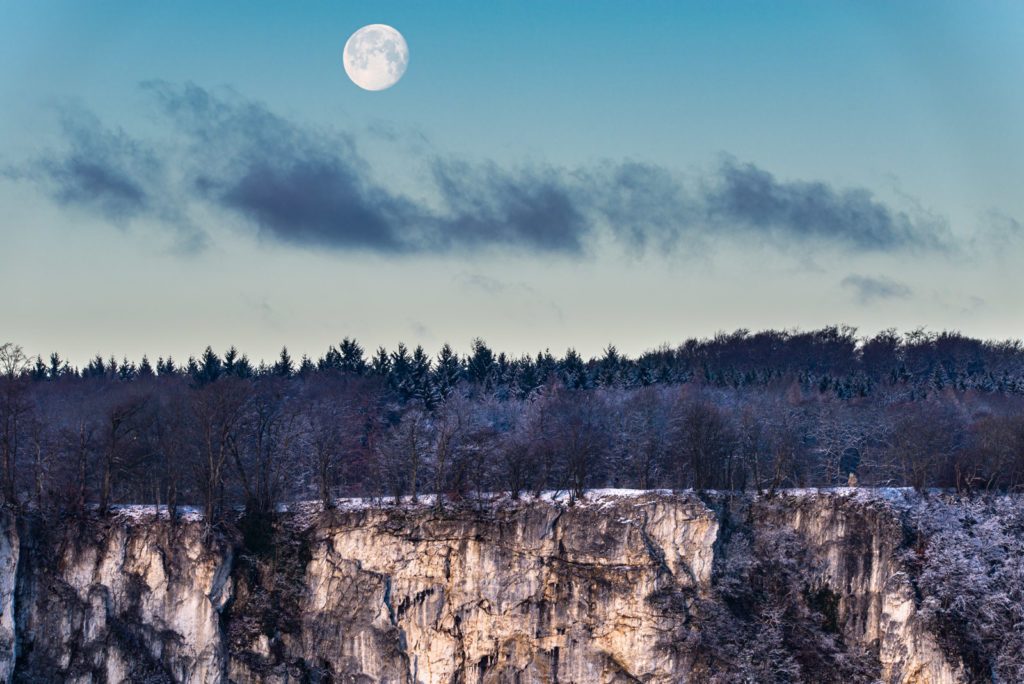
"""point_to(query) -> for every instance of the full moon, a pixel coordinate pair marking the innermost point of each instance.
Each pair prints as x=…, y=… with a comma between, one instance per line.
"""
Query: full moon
x=375, y=57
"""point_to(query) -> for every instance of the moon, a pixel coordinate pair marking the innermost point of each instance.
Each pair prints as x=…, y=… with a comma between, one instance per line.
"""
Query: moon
x=375, y=57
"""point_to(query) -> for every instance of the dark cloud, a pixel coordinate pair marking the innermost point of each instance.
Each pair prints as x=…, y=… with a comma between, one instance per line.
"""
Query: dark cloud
x=113, y=175
x=745, y=196
x=867, y=289
x=297, y=185
x=312, y=187
x=641, y=204
x=301, y=185
x=102, y=170
x=533, y=209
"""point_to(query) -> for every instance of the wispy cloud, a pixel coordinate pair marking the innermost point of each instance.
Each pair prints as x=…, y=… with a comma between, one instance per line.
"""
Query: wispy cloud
x=305, y=186
x=109, y=173
x=868, y=289
x=102, y=169
x=748, y=196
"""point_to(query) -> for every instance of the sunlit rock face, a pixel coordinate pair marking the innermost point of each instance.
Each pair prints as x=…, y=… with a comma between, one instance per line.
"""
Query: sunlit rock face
x=617, y=588
x=537, y=592
x=121, y=602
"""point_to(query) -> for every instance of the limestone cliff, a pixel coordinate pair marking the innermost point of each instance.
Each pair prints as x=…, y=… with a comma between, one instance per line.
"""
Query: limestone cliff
x=652, y=587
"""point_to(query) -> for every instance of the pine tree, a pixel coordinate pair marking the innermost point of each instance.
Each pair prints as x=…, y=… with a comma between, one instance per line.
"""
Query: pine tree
x=547, y=366
x=401, y=366
x=572, y=371
x=210, y=368
x=168, y=368
x=420, y=385
x=57, y=367
x=243, y=368
x=230, y=365
x=126, y=371
x=527, y=378
x=381, y=363
x=447, y=371
x=38, y=371
x=329, y=361
x=95, y=368
x=608, y=367
x=351, y=354
x=481, y=366
x=284, y=366
x=145, y=369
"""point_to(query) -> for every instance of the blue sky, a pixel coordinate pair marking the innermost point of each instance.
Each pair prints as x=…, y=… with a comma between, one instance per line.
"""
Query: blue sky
x=546, y=174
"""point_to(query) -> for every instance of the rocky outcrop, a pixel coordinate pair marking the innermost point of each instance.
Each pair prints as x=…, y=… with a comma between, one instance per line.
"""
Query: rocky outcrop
x=121, y=602
x=613, y=589
x=858, y=542
x=10, y=552
x=534, y=592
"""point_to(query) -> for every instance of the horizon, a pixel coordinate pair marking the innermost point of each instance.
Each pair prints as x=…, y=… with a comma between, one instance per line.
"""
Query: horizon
x=905, y=338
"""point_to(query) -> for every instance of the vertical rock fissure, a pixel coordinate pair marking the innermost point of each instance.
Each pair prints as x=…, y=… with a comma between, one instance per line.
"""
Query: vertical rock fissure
x=403, y=644
x=654, y=550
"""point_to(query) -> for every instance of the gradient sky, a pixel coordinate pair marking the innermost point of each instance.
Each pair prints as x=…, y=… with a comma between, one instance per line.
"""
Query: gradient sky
x=546, y=174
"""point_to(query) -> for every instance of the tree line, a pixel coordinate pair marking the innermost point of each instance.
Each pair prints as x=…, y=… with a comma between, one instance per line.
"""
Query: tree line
x=736, y=412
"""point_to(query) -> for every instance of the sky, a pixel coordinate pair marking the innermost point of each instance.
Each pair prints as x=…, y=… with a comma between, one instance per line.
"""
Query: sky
x=545, y=175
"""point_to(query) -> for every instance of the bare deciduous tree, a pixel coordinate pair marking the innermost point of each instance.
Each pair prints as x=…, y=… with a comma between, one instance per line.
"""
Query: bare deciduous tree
x=218, y=409
x=15, y=406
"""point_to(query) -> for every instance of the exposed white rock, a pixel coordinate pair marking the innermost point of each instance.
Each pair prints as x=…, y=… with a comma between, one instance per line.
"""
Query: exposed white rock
x=536, y=591
x=856, y=543
x=541, y=590
x=137, y=597
x=9, y=553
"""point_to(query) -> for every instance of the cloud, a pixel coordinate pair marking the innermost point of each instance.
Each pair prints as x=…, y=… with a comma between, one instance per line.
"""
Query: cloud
x=311, y=187
x=867, y=289
x=103, y=170
x=535, y=209
x=483, y=283
x=112, y=175
x=296, y=185
x=750, y=198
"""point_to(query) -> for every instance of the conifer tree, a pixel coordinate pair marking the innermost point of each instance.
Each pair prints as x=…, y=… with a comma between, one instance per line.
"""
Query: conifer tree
x=38, y=371
x=230, y=366
x=284, y=366
x=420, y=384
x=381, y=363
x=401, y=366
x=447, y=371
x=57, y=367
x=481, y=366
x=351, y=357
x=210, y=367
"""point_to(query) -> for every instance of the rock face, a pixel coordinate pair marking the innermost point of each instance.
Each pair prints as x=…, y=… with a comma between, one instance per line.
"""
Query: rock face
x=533, y=593
x=121, y=602
x=857, y=549
x=9, y=554
x=614, y=589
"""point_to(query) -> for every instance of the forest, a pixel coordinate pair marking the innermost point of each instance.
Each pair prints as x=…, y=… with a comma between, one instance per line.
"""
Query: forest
x=737, y=412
